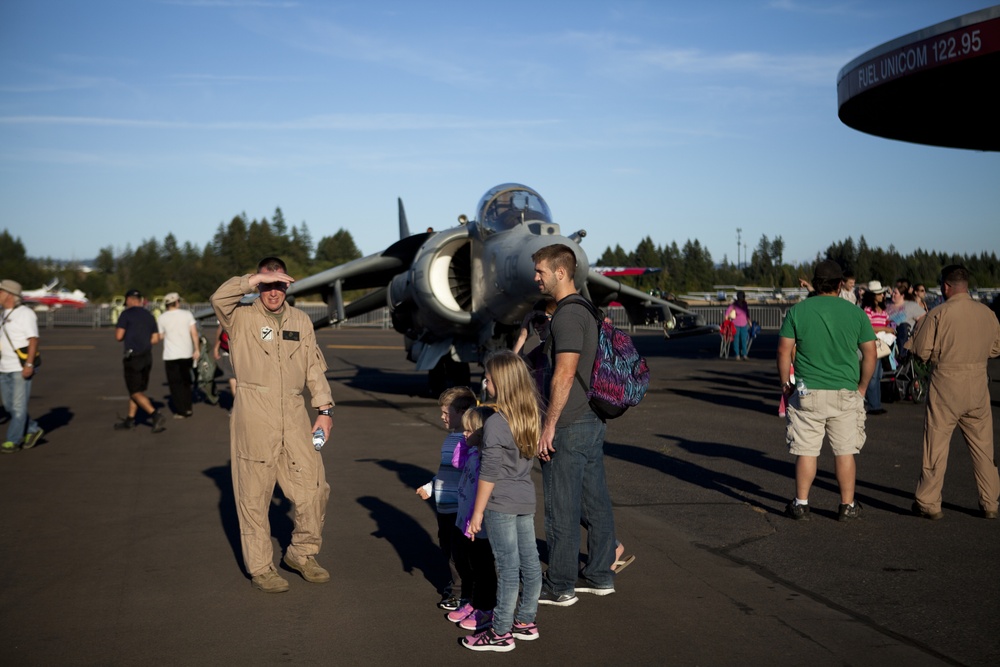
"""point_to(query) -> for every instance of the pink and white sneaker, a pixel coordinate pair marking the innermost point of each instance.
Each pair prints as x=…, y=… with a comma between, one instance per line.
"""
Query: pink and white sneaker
x=477, y=620
x=524, y=631
x=487, y=640
x=460, y=614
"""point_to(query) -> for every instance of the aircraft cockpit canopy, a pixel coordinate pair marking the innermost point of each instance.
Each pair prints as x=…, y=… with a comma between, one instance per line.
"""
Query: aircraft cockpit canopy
x=508, y=205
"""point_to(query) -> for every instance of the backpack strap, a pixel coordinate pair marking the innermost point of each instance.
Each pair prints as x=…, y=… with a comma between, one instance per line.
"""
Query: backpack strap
x=583, y=301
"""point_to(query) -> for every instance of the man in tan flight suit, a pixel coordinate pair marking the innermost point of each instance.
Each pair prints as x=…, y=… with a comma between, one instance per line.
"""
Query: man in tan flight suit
x=275, y=355
x=957, y=338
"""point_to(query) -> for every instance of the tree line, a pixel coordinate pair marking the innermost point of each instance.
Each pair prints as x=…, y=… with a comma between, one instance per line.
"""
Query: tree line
x=158, y=267
x=690, y=268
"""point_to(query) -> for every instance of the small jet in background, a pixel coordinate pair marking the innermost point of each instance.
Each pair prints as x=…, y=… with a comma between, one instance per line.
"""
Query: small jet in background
x=50, y=297
x=459, y=293
x=615, y=271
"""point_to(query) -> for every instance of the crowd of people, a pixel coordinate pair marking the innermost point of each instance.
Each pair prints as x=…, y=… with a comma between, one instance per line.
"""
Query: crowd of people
x=484, y=496
x=187, y=362
x=838, y=351
x=893, y=314
x=536, y=407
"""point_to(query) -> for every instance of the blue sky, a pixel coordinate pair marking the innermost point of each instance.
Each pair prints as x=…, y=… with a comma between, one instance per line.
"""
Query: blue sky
x=124, y=120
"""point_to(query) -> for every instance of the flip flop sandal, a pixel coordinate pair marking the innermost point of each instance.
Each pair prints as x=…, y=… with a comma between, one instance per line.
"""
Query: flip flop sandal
x=622, y=563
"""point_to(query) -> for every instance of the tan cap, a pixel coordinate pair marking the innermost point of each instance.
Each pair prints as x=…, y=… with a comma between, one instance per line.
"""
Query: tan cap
x=11, y=286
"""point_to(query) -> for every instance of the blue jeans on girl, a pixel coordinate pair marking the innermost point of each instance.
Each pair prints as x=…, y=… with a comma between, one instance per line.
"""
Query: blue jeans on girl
x=512, y=537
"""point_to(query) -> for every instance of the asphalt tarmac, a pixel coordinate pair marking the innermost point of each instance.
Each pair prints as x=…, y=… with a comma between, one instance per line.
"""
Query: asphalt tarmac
x=122, y=548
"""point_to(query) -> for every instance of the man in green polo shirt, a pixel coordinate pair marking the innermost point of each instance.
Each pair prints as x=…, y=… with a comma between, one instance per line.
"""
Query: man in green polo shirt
x=824, y=334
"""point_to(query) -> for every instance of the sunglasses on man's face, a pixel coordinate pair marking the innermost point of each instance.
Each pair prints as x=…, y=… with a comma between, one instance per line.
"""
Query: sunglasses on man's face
x=267, y=287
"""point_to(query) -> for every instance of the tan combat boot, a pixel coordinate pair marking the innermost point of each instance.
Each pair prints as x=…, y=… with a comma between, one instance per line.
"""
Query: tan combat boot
x=269, y=582
x=309, y=569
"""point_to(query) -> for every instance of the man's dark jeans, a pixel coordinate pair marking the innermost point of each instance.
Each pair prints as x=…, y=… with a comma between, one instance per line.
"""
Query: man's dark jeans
x=576, y=492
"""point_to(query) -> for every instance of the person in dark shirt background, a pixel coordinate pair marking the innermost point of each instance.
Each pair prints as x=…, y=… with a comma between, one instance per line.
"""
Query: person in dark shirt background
x=137, y=330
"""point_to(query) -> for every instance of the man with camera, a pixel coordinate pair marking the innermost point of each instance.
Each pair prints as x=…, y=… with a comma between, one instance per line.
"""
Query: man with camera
x=20, y=334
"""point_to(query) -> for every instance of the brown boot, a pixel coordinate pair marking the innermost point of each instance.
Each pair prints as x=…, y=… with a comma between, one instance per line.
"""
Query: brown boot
x=309, y=569
x=269, y=581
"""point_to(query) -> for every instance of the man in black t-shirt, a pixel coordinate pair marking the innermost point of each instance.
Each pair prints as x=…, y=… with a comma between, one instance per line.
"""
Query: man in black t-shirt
x=137, y=330
x=571, y=447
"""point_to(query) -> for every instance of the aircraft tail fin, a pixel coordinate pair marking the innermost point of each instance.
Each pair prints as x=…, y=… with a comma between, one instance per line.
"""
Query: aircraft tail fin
x=404, y=228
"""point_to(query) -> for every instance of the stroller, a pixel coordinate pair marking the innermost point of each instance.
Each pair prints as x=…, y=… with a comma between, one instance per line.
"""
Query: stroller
x=909, y=375
x=205, y=371
x=912, y=378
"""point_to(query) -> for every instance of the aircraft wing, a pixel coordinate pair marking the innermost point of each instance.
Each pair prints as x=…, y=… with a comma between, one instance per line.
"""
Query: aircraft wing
x=372, y=271
x=644, y=308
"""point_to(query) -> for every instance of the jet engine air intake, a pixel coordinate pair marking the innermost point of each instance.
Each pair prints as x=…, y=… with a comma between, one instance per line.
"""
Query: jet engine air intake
x=441, y=276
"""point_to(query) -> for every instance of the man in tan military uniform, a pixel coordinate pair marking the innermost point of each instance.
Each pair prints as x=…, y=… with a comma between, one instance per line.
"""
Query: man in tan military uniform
x=275, y=355
x=957, y=338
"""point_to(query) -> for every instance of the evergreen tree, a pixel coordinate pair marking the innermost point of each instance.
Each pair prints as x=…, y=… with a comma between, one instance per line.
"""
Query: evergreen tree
x=648, y=255
x=760, y=270
x=233, y=247
x=844, y=253
x=15, y=265
x=337, y=249
x=262, y=241
x=106, y=260
x=777, y=250
x=616, y=257
x=674, y=267
x=863, y=268
x=699, y=271
x=300, y=248
x=278, y=222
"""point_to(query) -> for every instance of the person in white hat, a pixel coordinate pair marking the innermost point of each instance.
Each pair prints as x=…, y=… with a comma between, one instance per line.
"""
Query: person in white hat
x=20, y=330
x=180, y=351
x=873, y=303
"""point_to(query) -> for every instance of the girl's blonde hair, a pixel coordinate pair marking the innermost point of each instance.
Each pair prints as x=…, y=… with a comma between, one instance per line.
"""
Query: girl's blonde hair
x=516, y=399
x=474, y=418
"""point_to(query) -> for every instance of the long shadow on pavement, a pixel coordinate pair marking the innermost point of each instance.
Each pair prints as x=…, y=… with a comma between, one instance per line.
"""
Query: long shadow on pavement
x=728, y=485
x=278, y=514
x=414, y=546
x=741, y=489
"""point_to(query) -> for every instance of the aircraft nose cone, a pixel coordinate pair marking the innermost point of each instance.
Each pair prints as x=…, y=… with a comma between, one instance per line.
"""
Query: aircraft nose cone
x=514, y=268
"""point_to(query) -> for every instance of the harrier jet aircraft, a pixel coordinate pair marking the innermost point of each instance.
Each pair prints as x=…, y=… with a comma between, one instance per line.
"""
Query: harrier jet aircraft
x=456, y=294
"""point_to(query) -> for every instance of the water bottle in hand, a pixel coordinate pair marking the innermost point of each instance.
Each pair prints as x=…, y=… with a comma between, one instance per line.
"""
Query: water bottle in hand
x=319, y=439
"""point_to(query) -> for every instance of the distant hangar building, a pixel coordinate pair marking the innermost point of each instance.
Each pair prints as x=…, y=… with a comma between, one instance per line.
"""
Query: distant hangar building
x=938, y=86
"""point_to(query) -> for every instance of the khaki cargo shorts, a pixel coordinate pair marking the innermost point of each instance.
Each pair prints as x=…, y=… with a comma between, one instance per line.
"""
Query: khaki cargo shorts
x=839, y=414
